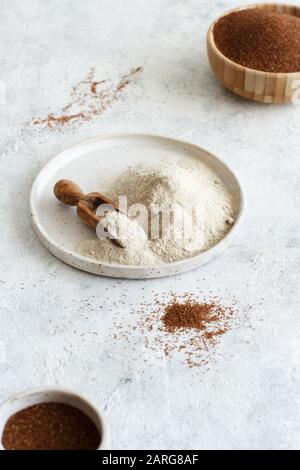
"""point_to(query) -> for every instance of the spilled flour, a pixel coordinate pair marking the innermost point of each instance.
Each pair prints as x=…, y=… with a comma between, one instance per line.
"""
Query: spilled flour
x=183, y=208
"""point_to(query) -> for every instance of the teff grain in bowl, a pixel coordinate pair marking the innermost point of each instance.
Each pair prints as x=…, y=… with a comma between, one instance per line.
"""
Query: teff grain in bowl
x=260, y=39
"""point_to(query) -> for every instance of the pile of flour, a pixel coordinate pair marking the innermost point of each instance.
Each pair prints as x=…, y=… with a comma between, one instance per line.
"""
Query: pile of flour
x=193, y=191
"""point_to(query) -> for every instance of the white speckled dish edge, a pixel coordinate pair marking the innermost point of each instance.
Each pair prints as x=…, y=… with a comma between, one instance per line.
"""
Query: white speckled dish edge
x=45, y=211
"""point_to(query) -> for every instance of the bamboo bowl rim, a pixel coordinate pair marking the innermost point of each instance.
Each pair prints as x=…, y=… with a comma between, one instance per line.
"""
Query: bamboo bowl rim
x=212, y=44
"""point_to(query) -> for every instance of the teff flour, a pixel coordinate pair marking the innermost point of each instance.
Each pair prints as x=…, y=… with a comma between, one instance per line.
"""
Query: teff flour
x=201, y=213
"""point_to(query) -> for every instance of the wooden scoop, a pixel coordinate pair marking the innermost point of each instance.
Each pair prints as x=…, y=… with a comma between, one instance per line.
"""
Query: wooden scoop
x=70, y=194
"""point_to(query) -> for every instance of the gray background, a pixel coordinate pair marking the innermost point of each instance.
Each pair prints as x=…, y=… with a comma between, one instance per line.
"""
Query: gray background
x=248, y=397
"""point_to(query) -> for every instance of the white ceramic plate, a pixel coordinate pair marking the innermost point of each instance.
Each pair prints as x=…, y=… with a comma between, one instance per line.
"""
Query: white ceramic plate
x=58, y=227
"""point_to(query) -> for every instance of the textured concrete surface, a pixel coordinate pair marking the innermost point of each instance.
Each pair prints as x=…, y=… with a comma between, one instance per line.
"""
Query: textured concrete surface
x=58, y=324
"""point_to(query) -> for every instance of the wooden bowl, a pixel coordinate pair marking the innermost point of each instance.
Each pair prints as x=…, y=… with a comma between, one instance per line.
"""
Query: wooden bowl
x=265, y=87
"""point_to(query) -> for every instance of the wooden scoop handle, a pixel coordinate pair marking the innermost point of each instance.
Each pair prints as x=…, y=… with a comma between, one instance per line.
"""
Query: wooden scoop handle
x=68, y=192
